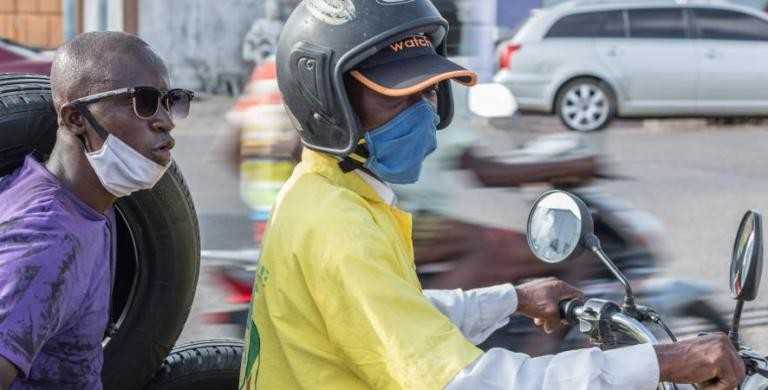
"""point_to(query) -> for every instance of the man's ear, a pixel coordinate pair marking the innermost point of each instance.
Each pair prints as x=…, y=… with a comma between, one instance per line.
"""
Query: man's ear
x=72, y=120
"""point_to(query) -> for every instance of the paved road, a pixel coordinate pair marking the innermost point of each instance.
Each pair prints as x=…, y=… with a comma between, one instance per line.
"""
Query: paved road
x=200, y=152
x=698, y=180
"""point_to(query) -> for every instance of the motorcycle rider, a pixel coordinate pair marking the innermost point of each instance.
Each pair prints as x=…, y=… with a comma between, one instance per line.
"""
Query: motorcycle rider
x=336, y=302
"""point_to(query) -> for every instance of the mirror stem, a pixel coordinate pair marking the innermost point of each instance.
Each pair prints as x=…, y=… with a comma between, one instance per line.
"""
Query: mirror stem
x=593, y=243
x=734, y=332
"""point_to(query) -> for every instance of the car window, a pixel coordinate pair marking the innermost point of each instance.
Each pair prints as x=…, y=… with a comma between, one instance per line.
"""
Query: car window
x=666, y=23
x=730, y=25
x=575, y=26
x=612, y=25
x=606, y=24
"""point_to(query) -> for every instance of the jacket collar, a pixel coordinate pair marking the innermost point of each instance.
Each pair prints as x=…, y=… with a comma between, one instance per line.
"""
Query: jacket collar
x=359, y=182
x=383, y=189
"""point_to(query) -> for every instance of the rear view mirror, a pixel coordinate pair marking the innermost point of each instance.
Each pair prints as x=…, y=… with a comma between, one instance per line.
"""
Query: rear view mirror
x=492, y=101
x=747, y=260
x=746, y=267
x=557, y=225
x=560, y=228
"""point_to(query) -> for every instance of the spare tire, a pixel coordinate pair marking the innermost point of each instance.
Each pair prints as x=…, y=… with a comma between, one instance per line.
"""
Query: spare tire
x=158, y=242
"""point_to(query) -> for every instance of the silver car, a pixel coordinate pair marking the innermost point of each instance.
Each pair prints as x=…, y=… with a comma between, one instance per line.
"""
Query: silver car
x=589, y=61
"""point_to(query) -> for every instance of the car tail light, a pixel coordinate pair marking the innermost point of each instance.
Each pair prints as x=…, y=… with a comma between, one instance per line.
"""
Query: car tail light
x=506, y=54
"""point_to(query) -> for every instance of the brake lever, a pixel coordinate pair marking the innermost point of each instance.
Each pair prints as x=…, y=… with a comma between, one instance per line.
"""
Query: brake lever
x=753, y=368
x=762, y=372
x=645, y=313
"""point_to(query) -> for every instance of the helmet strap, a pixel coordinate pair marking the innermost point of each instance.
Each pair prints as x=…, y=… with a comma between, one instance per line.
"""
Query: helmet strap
x=356, y=159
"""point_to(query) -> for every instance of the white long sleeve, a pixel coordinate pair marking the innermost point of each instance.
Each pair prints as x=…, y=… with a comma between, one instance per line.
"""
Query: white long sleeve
x=631, y=368
x=477, y=313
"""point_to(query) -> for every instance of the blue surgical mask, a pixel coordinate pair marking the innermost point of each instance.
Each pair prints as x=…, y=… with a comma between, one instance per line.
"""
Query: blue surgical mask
x=398, y=148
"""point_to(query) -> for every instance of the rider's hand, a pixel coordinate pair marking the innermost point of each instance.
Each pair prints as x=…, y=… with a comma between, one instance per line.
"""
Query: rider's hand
x=539, y=299
x=708, y=360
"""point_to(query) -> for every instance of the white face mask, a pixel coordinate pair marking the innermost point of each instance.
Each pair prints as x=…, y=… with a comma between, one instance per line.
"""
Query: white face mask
x=122, y=170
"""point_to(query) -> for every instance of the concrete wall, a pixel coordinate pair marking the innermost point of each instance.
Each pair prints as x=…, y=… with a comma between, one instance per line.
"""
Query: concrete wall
x=32, y=22
x=200, y=40
x=478, y=35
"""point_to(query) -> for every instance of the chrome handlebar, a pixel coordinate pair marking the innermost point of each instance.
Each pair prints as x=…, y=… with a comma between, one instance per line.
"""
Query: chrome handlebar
x=588, y=316
x=599, y=318
x=633, y=328
x=592, y=311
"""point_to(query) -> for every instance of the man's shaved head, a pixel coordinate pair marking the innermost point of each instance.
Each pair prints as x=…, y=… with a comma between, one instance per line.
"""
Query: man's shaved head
x=98, y=61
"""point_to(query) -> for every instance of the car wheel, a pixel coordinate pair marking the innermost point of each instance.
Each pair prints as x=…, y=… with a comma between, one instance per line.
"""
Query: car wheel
x=585, y=105
x=158, y=242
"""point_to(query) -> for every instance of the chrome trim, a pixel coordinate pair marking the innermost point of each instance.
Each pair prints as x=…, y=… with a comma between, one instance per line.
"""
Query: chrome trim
x=633, y=328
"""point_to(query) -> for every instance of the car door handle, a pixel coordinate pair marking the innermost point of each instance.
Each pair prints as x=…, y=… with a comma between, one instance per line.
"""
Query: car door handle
x=712, y=53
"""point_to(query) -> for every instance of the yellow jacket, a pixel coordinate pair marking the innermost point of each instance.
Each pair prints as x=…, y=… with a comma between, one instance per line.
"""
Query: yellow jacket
x=337, y=303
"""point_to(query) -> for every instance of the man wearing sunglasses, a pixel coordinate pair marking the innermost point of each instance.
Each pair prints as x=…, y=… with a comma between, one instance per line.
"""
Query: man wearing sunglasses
x=57, y=239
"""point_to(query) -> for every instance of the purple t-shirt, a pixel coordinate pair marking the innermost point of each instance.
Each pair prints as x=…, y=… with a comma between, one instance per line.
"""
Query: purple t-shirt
x=56, y=261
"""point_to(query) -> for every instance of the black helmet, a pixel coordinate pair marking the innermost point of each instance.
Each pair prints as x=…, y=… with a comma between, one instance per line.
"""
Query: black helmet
x=325, y=39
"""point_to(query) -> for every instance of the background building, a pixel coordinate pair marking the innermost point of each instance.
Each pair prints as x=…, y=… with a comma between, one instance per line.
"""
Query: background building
x=32, y=22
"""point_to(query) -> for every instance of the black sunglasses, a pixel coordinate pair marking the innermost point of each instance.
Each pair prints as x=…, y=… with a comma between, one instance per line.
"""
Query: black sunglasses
x=147, y=100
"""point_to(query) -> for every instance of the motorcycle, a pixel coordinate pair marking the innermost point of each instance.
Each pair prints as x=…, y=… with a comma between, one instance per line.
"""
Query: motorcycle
x=561, y=228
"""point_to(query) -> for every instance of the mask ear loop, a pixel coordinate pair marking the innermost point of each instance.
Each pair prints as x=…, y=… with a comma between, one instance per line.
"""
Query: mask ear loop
x=100, y=130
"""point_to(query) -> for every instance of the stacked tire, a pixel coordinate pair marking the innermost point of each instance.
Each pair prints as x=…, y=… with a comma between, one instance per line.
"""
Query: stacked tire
x=200, y=365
